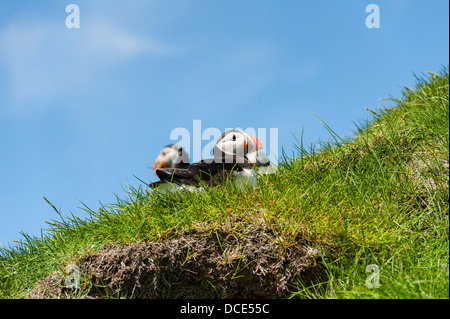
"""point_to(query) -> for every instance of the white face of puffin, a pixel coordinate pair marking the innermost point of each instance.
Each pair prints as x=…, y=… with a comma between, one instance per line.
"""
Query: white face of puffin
x=170, y=156
x=235, y=142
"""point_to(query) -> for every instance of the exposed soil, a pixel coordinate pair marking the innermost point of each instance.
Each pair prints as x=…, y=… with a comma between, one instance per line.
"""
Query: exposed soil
x=247, y=264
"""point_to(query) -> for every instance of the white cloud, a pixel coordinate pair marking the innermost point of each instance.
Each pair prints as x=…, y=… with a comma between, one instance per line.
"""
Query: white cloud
x=44, y=61
x=106, y=39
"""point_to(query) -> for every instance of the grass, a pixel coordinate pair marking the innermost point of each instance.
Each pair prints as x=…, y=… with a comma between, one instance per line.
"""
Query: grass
x=380, y=198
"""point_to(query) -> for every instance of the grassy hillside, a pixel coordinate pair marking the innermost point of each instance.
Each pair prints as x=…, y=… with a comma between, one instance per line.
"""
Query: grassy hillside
x=308, y=231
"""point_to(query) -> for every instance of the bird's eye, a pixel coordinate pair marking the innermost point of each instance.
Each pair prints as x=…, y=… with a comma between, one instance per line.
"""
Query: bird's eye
x=234, y=137
x=163, y=153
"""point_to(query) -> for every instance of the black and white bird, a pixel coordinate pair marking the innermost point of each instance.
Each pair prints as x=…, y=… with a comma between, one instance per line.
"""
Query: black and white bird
x=171, y=156
x=229, y=162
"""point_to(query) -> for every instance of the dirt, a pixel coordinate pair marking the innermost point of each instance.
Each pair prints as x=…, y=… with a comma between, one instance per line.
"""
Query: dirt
x=246, y=264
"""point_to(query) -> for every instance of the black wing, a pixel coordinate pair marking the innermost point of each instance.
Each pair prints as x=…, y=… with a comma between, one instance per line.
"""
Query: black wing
x=207, y=172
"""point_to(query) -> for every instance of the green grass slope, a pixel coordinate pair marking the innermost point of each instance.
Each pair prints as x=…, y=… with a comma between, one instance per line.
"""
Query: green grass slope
x=379, y=199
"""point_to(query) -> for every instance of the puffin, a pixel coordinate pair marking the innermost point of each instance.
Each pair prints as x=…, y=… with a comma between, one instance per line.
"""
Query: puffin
x=229, y=161
x=171, y=156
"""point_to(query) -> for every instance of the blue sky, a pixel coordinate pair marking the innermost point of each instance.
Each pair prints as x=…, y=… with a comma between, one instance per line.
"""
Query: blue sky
x=83, y=110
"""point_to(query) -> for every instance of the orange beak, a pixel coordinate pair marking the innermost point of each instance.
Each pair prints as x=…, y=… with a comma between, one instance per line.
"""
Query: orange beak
x=256, y=142
x=158, y=164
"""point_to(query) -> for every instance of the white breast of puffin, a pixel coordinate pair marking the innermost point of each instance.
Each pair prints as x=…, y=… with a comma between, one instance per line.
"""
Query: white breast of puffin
x=245, y=177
